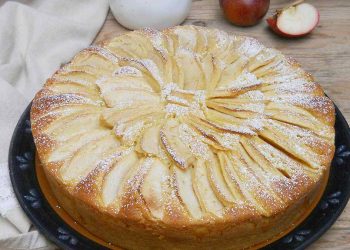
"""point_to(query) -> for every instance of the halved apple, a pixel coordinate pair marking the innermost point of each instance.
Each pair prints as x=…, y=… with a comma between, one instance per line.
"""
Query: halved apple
x=297, y=20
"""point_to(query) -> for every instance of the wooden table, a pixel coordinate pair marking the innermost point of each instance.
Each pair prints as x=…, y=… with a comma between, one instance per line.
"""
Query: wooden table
x=325, y=53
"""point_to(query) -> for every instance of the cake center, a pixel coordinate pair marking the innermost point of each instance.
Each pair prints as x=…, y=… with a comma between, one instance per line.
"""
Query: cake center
x=241, y=114
x=179, y=102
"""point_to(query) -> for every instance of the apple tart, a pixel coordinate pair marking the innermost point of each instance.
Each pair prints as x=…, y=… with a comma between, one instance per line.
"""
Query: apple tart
x=189, y=138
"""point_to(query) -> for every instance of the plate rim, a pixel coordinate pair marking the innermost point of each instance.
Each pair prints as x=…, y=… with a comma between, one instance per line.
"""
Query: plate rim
x=26, y=208
x=342, y=206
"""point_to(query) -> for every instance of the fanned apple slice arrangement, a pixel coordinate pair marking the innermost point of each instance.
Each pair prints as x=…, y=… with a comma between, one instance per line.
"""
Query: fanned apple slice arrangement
x=188, y=122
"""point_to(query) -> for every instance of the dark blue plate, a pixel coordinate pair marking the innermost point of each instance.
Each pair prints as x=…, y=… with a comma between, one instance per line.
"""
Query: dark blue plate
x=35, y=205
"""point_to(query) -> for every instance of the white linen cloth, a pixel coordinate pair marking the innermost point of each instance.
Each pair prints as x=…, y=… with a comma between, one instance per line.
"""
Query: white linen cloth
x=36, y=37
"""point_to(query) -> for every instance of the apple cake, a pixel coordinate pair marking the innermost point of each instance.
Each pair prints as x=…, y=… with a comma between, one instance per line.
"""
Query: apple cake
x=189, y=138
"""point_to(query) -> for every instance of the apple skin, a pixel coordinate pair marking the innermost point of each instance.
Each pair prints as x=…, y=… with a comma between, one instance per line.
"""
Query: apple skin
x=244, y=12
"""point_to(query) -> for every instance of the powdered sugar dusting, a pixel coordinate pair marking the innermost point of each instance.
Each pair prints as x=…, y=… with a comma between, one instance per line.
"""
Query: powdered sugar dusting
x=180, y=160
x=128, y=70
x=250, y=47
x=176, y=109
x=104, y=52
x=61, y=99
x=194, y=125
x=253, y=95
x=245, y=80
x=104, y=164
x=153, y=69
x=157, y=42
x=194, y=141
x=320, y=103
x=222, y=39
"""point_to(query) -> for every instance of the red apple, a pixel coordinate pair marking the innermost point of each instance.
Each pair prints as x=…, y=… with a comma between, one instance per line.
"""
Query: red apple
x=296, y=20
x=244, y=12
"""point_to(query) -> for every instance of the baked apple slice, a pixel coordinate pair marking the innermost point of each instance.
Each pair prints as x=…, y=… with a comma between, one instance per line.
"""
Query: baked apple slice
x=113, y=180
x=184, y=185
x=112, y=116
x=228, y=123
x=77, y=76
x=174, y=146
x=232, y=181
x=124, y=82
x=217, y=180
x=87, y=157
x=213, y=136
x=120, y=97
x=68, y=87
x=69, y=126
x=153, y=186
x=206, y=196
x=150, y=140
x=70, y=146
x=193, y=76
x=131, y=131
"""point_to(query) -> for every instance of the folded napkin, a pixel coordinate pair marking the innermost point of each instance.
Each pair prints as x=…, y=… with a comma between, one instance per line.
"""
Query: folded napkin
x=36, y=37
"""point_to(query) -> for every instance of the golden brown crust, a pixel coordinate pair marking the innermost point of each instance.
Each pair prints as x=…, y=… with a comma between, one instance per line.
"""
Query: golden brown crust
x=187, y=138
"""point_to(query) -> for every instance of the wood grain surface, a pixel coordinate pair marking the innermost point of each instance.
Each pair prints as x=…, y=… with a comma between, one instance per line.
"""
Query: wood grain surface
x=325, y=53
